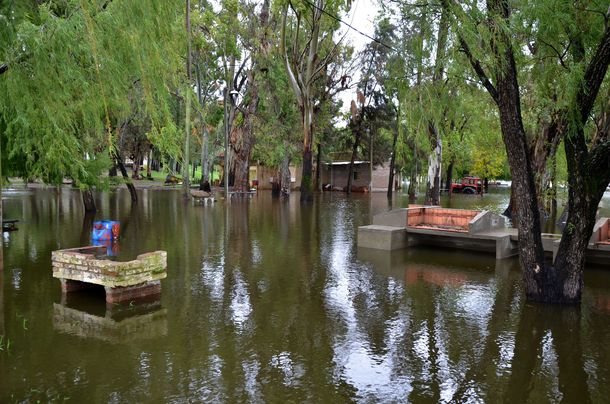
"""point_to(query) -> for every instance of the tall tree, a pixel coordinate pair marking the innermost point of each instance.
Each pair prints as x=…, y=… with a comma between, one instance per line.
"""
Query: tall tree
x=304, y=64
x=495, y=51
x=97, y=53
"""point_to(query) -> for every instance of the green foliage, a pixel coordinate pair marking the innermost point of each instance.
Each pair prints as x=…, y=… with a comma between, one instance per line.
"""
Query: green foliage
x=72, y=69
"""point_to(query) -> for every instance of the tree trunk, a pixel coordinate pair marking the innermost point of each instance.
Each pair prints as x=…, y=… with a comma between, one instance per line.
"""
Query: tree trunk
x=537, y=277
x=588, y=170
x=433, y=186
x=306, y=177
x=2, y=224
x=435, y=158
x=584, y=196
x=205, y=169
x=186, y=184
x=449, y=179
x=89, y=201
x=350, y=171
x=130, y=186
x=392, y=162
x=306, y=188
x=135, y=170
x=412, y=191
x=285, y=176
x=318, y=184
x=543, y=152
x=149, y=164
x=242, y=141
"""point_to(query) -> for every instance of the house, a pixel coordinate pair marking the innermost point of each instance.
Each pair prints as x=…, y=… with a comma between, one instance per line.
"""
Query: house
x=265, y=176
x=334, y=176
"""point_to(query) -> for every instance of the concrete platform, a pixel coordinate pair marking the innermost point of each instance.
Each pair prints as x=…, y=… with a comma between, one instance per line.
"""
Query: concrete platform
x=467, y=230
x=496, y=242
x=431, y=225
x=83, y=267
x=382, y=237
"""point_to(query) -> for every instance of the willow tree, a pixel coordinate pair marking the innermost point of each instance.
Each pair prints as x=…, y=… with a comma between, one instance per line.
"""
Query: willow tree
x=70, y=71
x=305, y=62
x=493, y=49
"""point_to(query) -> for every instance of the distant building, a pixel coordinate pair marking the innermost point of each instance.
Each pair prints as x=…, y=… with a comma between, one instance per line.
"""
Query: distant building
x=334, y=176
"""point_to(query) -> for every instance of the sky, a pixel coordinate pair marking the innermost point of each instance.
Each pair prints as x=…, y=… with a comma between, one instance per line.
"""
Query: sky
x=361, y=16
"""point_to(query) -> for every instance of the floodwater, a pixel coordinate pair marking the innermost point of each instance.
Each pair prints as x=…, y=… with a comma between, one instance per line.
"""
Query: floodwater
x=271, y=301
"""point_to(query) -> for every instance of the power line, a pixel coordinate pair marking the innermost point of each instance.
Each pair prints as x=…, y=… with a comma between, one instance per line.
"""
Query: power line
x=348, y=25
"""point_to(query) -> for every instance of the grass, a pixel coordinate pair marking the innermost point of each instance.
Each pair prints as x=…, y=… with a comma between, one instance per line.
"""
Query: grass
x=160, y=175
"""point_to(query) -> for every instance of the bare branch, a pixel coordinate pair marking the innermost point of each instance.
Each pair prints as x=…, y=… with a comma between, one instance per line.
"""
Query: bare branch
x=594, y=76
x=560, y=56
x=291, y=77
x=478, y=68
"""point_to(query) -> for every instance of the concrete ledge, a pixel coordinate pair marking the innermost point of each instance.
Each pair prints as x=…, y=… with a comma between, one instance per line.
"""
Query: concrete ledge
x=382, y=237
x=393, y=218
x=486, y=221
x=499, y=244
x=600, y=231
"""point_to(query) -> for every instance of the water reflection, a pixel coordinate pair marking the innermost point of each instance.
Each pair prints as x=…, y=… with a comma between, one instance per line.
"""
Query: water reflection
x=85, y=316
x=269, y=300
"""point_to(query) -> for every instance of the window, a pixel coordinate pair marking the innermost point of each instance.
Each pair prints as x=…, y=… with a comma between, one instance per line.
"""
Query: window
x=356, y=175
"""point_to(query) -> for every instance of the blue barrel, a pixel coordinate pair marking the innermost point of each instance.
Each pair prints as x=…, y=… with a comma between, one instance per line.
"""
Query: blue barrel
x=106, y=230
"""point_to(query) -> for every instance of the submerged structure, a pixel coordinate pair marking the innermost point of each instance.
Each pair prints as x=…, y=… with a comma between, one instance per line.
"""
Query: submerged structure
x=84, y=267
x=115, y=323
x=464, y=229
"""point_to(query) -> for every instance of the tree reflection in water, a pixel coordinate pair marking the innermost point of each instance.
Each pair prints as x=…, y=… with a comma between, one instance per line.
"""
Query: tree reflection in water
x=269, y=300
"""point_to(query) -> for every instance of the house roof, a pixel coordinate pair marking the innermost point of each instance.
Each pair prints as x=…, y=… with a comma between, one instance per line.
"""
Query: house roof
x=344, y=163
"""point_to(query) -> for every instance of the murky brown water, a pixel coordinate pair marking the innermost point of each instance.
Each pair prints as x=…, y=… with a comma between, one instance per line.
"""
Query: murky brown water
x=268, y=301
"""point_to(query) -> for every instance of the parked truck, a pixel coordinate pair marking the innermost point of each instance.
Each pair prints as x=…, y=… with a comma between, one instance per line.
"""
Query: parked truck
x=468, y=185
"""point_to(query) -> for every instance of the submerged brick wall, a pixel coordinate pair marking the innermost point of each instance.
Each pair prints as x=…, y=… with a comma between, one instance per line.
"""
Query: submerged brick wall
x=82, y=265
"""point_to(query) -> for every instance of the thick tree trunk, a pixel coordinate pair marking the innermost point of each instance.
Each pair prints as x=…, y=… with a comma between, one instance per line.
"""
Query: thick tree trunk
x=537, y=276
x=584, y=195
x=89, y=201
x=306, y=188
x=242, y=146
x=306, y=177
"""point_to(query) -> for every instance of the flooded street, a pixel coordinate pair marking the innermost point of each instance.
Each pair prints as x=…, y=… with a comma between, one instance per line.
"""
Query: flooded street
x=271, y=301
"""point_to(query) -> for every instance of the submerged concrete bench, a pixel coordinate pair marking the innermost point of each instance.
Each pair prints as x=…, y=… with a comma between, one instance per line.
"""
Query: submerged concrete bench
x=202, y=197
x=79, y=268
x=382, y=237
x=447, y=228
